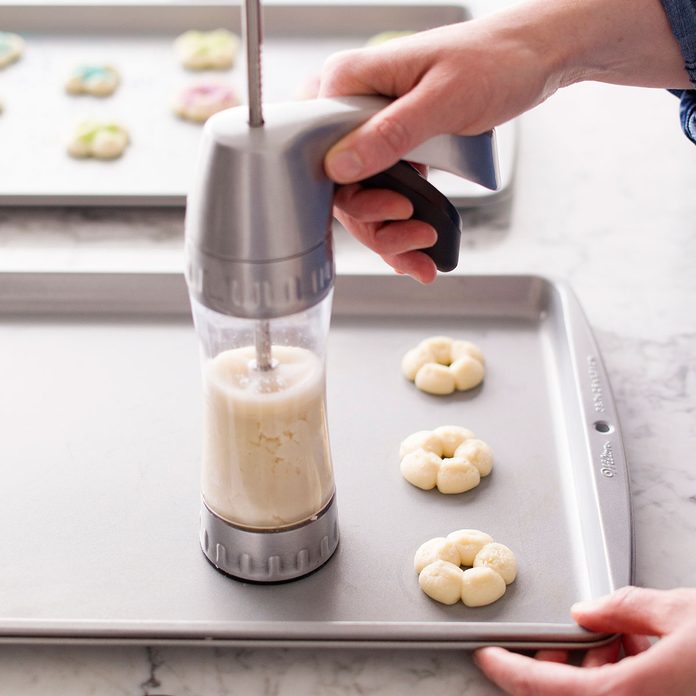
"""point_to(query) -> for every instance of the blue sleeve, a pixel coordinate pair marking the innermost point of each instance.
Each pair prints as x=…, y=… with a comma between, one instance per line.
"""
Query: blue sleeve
x=682, y=18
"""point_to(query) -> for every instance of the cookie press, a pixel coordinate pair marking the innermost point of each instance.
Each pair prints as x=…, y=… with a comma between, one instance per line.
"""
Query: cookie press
x=260, y=272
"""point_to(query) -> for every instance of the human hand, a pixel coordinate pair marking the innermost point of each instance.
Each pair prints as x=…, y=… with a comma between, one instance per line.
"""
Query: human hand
x=667, y=668
x=438, y=95
x=466, y=78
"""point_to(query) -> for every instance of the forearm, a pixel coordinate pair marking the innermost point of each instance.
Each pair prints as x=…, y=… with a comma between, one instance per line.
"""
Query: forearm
x=625, y=42
x=467, y=78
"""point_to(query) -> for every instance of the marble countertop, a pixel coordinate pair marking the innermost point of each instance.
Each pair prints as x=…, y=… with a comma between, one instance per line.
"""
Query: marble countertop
x=603, y=199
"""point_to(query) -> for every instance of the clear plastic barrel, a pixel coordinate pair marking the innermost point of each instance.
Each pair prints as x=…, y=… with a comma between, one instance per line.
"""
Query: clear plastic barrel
x=266, y=456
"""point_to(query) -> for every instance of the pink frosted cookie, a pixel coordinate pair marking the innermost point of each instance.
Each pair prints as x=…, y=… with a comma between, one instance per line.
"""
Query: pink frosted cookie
x=199, y=102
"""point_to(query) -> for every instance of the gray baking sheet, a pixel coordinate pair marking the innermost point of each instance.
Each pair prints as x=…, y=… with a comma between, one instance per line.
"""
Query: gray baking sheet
x=138, y=39
x=99, y=458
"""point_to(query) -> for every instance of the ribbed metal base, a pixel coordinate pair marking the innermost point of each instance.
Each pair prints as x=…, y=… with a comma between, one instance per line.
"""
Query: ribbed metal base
x=269, y=556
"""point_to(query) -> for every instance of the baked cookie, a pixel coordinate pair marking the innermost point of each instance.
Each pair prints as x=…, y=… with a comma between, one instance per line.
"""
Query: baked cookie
x=97, y=80
x=440, y=365
x=199, y=102
x=101, y=140
x=207, y=50
x=11, y=48
x=440, y=576
x=385, y=36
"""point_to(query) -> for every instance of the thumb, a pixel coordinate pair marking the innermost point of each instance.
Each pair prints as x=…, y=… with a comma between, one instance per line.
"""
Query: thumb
x=633, y=610
x=383, y=140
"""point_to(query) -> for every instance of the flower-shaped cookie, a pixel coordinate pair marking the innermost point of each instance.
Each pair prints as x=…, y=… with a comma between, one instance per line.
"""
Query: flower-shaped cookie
x=449, y=457
x=439, y=365
x=440, y=576
x=11, y=48
x=207, y=50
x=97, y=80
x=102, y=140
x=199, y=102
x=385, y=36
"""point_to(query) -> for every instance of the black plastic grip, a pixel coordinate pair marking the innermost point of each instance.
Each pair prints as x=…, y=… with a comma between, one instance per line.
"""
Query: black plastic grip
x=429, y=205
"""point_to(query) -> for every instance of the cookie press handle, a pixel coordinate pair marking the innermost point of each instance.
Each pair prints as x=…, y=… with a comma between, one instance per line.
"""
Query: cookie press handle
x=429, y=205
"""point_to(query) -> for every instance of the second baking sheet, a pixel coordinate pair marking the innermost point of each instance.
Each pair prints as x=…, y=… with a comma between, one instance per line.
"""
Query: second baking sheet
x=156, y=169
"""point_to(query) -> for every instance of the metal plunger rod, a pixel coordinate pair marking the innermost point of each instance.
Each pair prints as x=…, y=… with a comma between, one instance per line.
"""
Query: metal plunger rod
x=253, y=34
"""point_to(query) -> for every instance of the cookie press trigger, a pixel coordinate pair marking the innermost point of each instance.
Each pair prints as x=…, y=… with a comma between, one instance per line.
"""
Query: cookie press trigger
x=429, y=205
x=260, y=272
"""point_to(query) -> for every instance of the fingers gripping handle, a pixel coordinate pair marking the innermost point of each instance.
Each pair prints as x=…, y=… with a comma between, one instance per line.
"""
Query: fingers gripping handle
x=429, y=205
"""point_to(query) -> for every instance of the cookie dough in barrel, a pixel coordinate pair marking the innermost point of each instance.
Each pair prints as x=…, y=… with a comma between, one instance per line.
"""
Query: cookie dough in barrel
x=266, y=456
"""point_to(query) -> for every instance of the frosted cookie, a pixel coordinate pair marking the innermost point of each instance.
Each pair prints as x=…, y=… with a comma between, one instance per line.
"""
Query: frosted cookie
x=499, y=558
x=440, y=365
x=199, y=102
x=442, y=581
x=444, y=458
x=385, y=36
x=97, y=80
x=207, y=50
x=438, y=562
x=101, y=140
x=11, y=48
x=433, y=550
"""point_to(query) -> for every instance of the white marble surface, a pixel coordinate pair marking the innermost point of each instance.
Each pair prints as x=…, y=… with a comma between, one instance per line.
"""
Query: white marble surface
x=603, y=199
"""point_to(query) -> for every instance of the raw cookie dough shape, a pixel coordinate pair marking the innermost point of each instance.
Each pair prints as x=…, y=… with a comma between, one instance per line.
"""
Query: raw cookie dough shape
x=101, y=140
x=11, y=48
x=449, y=457
x=440, y=365
x=440, y=576
x=96, y=80
x=207, y=50
x=199, y=102
x=437, y=549
x=442, y=581
x=500, y=558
